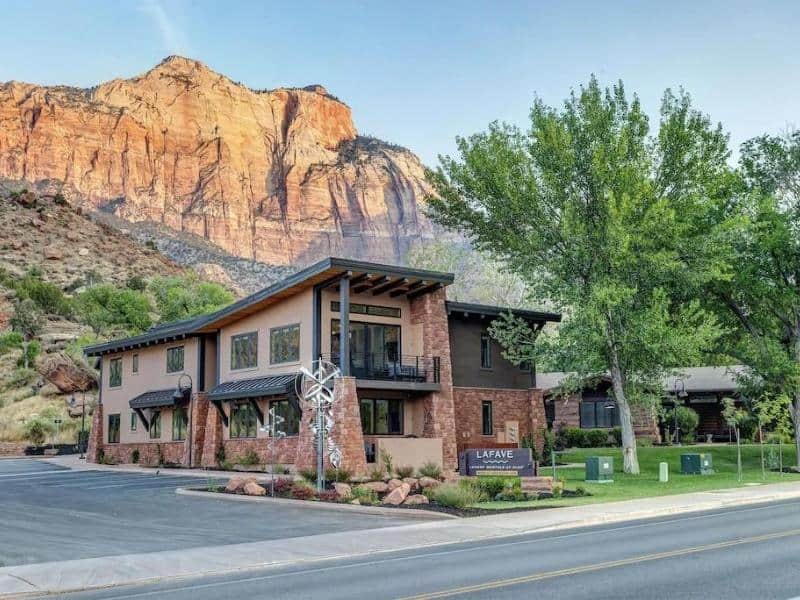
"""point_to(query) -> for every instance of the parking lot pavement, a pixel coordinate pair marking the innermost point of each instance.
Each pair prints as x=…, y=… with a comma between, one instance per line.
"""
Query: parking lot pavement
x=51, y=513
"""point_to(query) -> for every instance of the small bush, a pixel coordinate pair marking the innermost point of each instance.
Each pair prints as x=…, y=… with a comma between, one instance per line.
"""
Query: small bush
x=20, y=377
x=328, y=496
x=37, y=430
x=309, y=475
x=219, y=455
x=573, y=437
x=280, y=469
x=9, y=341
x=687, y=419
x=136, y=282
x=778, y=438
x=250, y=458
x=580, y=490
x=386, y=458
x=29, y=353
x=405, y=471
x=644, y=442
x=302, y=491
x=431, y=469
x=59, y=199
x=135, y=456
x=616, y=435
x=47, y=296
x=283, y=486
x=548, y=446
x=492, y=486
x=456, y=495
x=376, y=474
x=365, y=495
x=529, y=441
x=597, y=438
x=27, y=319
x=338, y=475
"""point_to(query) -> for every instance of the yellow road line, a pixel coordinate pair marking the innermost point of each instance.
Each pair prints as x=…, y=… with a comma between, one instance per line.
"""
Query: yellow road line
x=500, y=583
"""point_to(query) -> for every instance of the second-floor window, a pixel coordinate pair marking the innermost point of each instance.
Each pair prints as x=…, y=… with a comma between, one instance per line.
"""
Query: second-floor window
x=284, y=344
x=115, y=372
x=486, y=351
x=244, y=351
x=487, y=427
x=175, y=359
x=243, y=421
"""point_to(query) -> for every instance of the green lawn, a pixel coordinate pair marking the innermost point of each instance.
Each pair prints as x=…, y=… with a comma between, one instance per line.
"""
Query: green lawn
x=626, y=487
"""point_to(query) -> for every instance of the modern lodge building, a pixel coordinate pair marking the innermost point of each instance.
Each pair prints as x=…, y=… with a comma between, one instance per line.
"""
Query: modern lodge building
x=421, y=377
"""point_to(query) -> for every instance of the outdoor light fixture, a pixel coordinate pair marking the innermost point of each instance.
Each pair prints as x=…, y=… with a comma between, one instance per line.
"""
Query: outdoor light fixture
x=183, y=387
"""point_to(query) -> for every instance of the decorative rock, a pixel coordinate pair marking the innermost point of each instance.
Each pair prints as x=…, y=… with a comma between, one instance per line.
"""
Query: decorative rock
x=393, y=484
x=83, y=252
x=236, y=484
x=356, y=501
x=412, y=481
x=397, y=495
x=343, y=490
x=428, y=482
x=379, y=487
x=251, y=488
x=60, y=370
x=53, y=253
x=416, y=499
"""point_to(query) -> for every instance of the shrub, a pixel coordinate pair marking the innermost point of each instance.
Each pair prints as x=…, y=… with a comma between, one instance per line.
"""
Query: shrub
x=365, y=495
x=108, y=309
x=580, y=490
x=183, y=296
x=37, y=430
x=29, y=353
x=529, y=441
x=219, y=455
x=405, y=471
x=301, y=491
x=151, y=245
x=27, y=319
x=492, y=486
x=9, y=341
x=309, y=475
x=386, y=459
x=775, y=437
x=339, y=475
x=136, y=282
x=280, y=469
x=328, y=496
x=47, y=296
x=616, y=435
x=596, y=438
x=283, y=486
x=20, y=377
x=688, y=420
x=135, y=456
x=250, y=458
x=431, y=469
x=548, y=446
x=573, y=437
x=455, y=495
x=59, y=199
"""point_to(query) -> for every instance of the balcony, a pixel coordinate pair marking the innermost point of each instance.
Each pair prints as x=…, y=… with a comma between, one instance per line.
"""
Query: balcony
x=420, y=371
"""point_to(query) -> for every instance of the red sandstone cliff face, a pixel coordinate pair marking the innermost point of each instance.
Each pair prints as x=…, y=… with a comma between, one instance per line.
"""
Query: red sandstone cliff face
x=280, y=176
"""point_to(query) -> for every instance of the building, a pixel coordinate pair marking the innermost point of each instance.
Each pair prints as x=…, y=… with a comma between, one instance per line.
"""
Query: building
x=421, y=378
x=700, y=388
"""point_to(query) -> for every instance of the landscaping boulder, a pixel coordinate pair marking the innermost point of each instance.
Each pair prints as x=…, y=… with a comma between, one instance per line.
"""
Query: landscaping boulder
x=428, y=482
x=416, y=499
x=343, y=490
x=53, y=253
x=397, y=495
x=251, y=488
x=236, y=484
x=393, y=484
x=413, y=482
x=67, y=375
x=355, y=501
x=379, y=487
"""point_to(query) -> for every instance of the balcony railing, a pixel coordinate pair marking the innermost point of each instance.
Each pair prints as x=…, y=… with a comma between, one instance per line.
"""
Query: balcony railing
x=391, y=367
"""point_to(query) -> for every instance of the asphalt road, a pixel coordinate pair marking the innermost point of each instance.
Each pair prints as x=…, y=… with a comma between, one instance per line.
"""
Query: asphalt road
x=752, y=552
x=49, y=513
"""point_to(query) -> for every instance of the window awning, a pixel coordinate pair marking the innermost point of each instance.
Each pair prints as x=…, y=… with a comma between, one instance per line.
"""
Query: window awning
x=155, y=399
x=276, y=385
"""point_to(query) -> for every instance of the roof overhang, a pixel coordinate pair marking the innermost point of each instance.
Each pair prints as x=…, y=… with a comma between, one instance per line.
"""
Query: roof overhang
x=468, y=310
x=275, y=385
x=157, y=399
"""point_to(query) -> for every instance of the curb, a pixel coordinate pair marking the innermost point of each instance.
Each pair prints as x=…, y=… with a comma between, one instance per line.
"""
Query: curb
x=410, y=513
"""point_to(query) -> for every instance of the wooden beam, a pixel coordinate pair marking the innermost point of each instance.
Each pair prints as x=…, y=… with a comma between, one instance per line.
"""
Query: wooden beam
x=354, y=280
x=389, y=286
x=414, y=286
x=143, y=419
x=259, y=412
x=218, y=405
x=426, y=290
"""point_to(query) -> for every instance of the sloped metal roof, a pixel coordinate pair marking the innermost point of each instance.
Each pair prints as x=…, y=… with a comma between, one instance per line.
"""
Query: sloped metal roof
x=153, y=399
x=275, y=385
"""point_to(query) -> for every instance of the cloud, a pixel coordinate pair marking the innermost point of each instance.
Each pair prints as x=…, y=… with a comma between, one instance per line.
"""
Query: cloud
x=171, y=33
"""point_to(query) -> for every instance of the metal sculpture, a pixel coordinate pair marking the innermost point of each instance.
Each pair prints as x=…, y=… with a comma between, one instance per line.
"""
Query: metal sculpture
x=314, y=389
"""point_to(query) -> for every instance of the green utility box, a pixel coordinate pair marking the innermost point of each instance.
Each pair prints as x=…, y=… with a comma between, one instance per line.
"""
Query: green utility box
x=600, y=469
x=696, y=464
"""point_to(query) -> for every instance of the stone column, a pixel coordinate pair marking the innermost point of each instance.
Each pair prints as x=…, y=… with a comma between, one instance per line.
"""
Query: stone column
x=429, y=310
x=95, y=442
x=212, y=437
x=197, y=429
x=538, y=419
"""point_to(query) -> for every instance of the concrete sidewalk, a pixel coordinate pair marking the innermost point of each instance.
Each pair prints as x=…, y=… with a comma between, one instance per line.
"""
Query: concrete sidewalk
x=84, y=574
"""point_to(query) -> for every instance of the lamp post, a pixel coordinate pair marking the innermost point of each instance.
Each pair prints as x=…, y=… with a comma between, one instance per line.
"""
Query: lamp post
x=679, y=390
x=82, y=440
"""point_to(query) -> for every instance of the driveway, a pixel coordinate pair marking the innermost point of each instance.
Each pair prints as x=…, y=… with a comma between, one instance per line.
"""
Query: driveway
x=51, y=513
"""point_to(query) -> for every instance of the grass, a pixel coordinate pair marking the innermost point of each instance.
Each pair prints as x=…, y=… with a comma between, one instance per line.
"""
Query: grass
x=628, y=487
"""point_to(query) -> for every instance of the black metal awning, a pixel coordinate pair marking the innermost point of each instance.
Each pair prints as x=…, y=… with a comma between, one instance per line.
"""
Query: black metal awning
x=156, y=399
x=276, y=385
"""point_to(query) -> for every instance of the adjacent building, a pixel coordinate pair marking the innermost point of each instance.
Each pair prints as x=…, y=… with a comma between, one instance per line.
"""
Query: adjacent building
x=421, y=377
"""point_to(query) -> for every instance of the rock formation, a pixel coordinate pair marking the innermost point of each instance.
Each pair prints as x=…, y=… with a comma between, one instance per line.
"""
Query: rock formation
x=279, y=176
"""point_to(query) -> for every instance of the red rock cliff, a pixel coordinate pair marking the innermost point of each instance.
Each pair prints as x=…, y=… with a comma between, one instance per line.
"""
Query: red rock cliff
x=280, y=176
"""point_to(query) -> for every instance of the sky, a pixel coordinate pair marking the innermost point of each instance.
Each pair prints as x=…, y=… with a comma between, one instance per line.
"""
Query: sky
x=421, y=73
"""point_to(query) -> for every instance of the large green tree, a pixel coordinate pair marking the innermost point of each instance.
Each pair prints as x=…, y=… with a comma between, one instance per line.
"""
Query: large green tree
x=582, y=206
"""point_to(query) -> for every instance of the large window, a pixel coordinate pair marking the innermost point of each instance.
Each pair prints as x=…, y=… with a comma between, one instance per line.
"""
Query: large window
x=291, y=417
x=243, y=421
x=284, y=344
x=381, y=417
x=180, y=419
x=486, y=351
x=115, y=372
x=175, y=359
x=155, y=425
x=244, y=351
x=598, y=413
x=371, y=344
x=487, y=427
x=369, y=309
x=113, y=429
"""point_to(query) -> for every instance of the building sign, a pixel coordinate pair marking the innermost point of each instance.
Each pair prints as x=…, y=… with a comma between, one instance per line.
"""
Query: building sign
x=497, y=461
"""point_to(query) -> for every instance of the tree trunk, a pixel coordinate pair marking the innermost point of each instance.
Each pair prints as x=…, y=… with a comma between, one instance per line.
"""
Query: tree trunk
x=630, y=460
x=795, y=406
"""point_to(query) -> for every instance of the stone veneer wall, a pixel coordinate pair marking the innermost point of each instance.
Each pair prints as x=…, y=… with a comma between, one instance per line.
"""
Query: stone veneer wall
x=524, y=406
x=95, y=443
x=171, y=452
x=429, y=310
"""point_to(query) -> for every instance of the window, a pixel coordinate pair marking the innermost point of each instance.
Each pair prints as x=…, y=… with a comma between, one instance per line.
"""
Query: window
x=134, y=421
x=179, y=421
x=486, y=418
x=291, y=417
x=284, y=344
x=381, y=417
x=598, y=413
x=525, y=366
x=175, y=359
x=135, y=364
x=486, y=351
x=113, y=429
x=369, y=309
x=244, y=351
x=155, y=425
x=243, y=421
x=115, y=372
x=371, y=345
